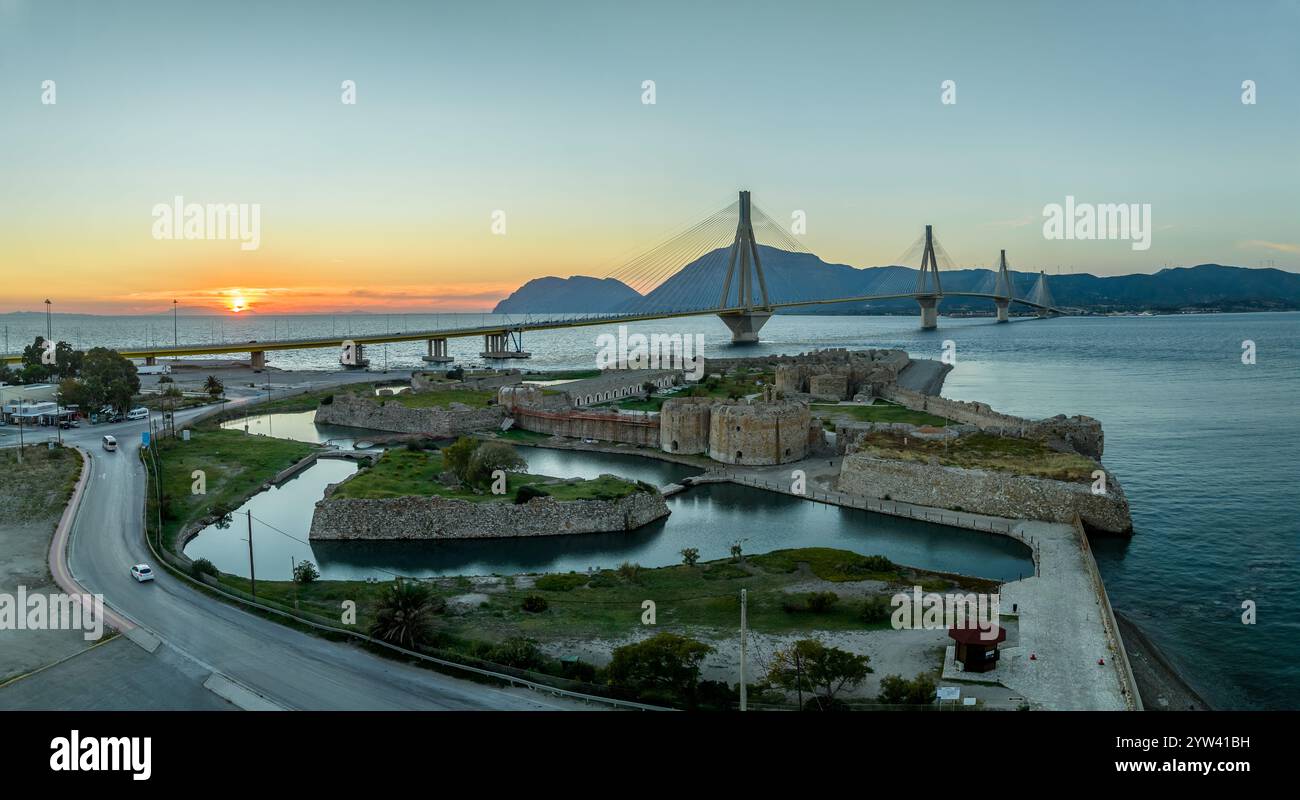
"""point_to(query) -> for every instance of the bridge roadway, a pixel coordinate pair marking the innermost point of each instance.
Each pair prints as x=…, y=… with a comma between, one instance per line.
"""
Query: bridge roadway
x=336, y=342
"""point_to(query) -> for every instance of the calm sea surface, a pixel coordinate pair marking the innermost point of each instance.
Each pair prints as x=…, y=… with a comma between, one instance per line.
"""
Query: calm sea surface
x=1205, y=446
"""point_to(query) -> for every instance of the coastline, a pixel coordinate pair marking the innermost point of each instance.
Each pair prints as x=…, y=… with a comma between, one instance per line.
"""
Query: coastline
x=1162, y=686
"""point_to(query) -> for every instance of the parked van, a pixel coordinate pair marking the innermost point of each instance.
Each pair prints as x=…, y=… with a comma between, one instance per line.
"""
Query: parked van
x=138, y=413
x=110, y=443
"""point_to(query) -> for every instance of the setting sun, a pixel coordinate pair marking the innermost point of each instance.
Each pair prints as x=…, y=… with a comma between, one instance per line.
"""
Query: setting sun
x=237, y=304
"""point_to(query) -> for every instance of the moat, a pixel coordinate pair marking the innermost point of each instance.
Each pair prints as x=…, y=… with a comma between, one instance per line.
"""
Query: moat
x=709, y=517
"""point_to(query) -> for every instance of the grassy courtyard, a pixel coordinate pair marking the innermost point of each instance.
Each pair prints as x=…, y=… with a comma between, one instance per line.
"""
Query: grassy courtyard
x=407, y=473
x=879, y=411
x=984, y=451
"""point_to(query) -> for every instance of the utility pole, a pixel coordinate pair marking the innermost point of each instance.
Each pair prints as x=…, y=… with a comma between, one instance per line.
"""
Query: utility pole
x=252, y=574
x=49, y=326
x=744, y=629
x=176, y=339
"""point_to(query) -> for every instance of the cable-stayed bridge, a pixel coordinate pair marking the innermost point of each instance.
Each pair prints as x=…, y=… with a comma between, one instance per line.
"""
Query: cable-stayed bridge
x=737, y=263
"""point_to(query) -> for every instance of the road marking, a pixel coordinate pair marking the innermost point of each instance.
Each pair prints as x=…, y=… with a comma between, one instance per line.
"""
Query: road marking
x=237, y=693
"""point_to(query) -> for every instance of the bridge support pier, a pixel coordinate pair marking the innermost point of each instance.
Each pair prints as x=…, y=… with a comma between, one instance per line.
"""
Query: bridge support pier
x=437, y=352
x=929, y=312
x=745, y=327
x=499, y=345
x=150, y=361
x=256, y=359
x=1043, y=313
x=1003, y=306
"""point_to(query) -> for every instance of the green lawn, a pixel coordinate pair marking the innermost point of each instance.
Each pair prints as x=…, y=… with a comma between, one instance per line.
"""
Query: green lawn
x=234, y=465
x=562, y=375
x=984, y=451
x=406, y=473
x=700, y=601
x=442, y=398
x=878, y=412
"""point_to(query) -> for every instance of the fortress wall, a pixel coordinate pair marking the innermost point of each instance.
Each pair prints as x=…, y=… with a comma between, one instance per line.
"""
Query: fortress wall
x=452, y=518
x=386, y=414
x=642, y=429
x=1000, y=494
x=758, y=434
x=684, y=425
x=1082, y=434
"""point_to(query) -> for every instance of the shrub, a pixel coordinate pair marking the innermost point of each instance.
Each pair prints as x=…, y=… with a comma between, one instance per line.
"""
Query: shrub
x=203, y=567
x=897, y=690
x=629, y=571
x=305, y=572
x=690, y=555
x=535, y=604
x=876, y=609
x=518, y=652
x=814, y=602
x=527, y=492
x=328, y=400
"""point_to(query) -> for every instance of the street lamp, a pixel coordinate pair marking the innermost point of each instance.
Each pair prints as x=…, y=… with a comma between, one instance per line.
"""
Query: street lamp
x=49, y=327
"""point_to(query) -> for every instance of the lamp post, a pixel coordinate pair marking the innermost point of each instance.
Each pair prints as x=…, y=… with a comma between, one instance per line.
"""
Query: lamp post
x=49, y=325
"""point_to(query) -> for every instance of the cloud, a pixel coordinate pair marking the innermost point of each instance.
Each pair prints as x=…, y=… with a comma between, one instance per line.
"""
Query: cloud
x=1279, y=247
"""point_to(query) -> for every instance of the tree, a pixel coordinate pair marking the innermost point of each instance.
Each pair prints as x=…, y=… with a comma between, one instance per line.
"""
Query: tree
x=649, y=388
x=809, y=665
x=664, y=667
x=404, y=615
x=737, y=552
x=456, y=457
x=690, y=555
x=67, y=362
x=492, y=456
x=110, y=379
x=214, y=387
x=897, y=690
x=305, y=572
x=73, y=392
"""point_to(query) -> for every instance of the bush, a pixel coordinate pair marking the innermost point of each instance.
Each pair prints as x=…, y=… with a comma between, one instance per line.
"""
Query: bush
x=518, y=652
x=203, y=567
x=690, y=555
x=527, y=492
x=897, y=690
x=629, y=571
x=813, y=602
x=328, y=400
x=305, y=572
x=535, y=604
x=876, y=609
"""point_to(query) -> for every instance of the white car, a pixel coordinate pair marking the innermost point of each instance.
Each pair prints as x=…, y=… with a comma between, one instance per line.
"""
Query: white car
x=142, y=573
x=110, y=444
x=138, y=413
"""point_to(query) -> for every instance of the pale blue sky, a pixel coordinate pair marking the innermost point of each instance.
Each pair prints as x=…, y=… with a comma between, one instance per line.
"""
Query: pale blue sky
x=832, y=108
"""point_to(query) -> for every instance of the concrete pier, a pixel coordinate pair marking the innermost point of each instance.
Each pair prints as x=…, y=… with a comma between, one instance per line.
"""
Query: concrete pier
x=498, y=345
x=1003, y=306
x=437, y=352
x=929, y=312
x=745, y=327
x=257, y=360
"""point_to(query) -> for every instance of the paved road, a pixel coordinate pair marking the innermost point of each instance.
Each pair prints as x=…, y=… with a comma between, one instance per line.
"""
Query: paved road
x=292, y=669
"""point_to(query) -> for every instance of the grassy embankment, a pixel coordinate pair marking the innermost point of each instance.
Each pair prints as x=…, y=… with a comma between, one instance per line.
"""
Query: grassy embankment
x=234, y=464
x=984, y=451
x=879, y=411
x=701, y=600
x=404, y=473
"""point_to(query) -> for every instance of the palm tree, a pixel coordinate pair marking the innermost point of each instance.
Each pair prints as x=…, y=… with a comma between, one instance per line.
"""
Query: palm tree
x=214, y=386
x=404, y=616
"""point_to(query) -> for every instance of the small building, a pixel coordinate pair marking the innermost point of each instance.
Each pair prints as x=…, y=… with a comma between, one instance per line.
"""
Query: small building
x=977, y=648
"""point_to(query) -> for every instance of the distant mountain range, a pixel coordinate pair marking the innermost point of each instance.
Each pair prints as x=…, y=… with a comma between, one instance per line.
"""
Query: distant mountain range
x=802, y=276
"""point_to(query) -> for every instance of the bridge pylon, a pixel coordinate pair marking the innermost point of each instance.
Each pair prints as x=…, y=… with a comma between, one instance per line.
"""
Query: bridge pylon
x=741, y=261
x=1002, y=290
x=1042, y=295
x=928, y=289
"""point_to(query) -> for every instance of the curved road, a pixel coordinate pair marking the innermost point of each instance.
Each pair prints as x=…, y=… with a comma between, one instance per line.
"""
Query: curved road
x=291, y=669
